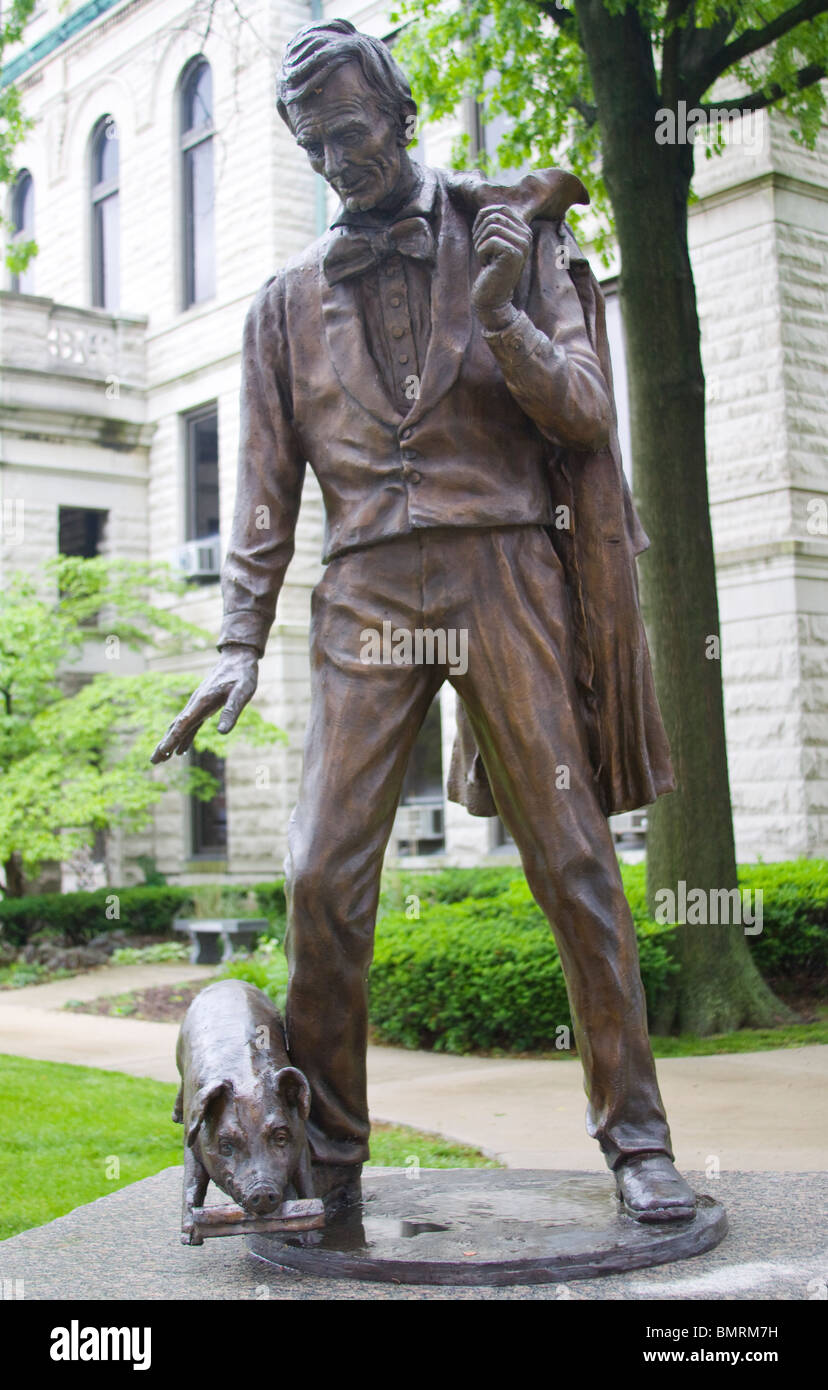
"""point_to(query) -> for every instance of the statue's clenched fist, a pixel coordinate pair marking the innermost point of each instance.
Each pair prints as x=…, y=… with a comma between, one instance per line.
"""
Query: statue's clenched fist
x=502, y=240
x=231, y=683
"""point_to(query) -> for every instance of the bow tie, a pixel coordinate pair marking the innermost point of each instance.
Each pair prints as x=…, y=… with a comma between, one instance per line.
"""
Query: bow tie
x=356, y=250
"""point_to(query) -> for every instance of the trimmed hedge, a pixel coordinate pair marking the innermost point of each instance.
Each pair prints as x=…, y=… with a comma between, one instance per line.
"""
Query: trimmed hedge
x=482, y=973
x=794, y=937
x=444, y=886
x=271, y=900
x=142, y=911
x=79, y=916
x=478, y=968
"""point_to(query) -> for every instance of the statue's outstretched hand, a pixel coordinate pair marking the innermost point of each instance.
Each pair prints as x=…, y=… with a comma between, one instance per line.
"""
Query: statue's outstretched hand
x=502, y=240
x=231, y=683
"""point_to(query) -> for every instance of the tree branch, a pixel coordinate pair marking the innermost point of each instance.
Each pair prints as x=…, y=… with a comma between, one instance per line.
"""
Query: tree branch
x=757, y=101
x=564, y=19
x=753, y=39
x=673, y=35
x=585, y=109
x=695, y=50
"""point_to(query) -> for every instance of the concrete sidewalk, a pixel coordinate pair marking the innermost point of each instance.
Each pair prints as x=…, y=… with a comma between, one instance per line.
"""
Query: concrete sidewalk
x=748, y=1112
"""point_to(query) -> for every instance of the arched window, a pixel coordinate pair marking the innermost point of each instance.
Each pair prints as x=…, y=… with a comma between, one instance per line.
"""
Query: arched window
x=106, y=233
x=23, y=227
x=197, y=180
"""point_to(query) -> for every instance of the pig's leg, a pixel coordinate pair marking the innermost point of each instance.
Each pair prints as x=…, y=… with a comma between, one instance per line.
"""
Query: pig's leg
x=196, y=1182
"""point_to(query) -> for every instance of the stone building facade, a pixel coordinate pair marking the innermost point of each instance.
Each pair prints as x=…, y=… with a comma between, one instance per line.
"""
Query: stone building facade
x=164, y=190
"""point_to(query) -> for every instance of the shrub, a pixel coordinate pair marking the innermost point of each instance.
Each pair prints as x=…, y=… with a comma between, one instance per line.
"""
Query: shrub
x=143, y=910
x=484, y=972
x=79, y=916
x=445, y=886
x=159, y=954
x=271, y=900
x=18, y=974
x=219, y=899
x=266, y=968
x=794, y=937
x=481, y=973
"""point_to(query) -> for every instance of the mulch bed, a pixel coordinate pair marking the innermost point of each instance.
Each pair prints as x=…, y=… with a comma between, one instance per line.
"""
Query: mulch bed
x=157, y=1004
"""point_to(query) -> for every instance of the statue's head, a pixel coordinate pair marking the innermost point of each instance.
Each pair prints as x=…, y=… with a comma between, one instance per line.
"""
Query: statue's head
x=350, y=108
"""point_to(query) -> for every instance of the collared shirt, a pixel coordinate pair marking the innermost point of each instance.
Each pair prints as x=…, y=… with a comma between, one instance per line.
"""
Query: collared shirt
x=395, y=299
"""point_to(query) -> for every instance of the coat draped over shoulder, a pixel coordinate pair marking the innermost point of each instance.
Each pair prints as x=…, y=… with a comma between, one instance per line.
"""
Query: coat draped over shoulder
x=628, y=745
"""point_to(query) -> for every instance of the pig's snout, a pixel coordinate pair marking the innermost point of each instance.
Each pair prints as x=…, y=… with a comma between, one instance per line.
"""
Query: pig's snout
x=263, y=1199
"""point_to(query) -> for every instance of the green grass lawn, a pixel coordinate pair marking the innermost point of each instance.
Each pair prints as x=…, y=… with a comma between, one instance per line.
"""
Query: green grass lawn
x=71, y=1134
x=746, y=1039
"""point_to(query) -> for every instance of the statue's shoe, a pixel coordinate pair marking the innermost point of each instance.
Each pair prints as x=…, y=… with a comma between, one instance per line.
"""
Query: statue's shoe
x=650, y=1189
x=339, y=1185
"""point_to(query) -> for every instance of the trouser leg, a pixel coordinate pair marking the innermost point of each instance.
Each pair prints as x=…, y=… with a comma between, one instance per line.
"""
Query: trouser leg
x=520, y=697
x=364, y=719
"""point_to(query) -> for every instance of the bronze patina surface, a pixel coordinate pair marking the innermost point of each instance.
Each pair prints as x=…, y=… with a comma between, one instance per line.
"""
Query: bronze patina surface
x=440, y=360
x=243, y=1108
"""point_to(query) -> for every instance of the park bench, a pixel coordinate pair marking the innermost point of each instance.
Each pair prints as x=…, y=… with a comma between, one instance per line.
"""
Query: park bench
x=215, y=941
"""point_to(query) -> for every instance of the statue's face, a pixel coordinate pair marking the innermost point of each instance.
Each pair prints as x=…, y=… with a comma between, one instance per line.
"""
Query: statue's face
x=349, y=140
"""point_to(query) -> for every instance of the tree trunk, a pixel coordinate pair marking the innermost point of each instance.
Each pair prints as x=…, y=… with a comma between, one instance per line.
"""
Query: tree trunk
x=15, y=884
x=690, y=835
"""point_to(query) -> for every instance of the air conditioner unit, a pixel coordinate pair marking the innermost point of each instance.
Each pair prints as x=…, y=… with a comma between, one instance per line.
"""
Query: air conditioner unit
x=200, y=559
x=629, y=823
x=419, y=822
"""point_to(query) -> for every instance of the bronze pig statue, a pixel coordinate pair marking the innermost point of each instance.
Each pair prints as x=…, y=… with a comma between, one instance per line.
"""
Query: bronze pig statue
x=242, y=1104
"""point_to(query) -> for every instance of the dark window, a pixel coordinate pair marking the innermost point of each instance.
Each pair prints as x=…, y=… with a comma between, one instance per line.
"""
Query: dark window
x=106, y=234
x=198, y=186
x=209, y=818
x=23, y=227
x=202, y=474
x=80, y=531
x=424, y=775
x=502, y=837
x=419, y=826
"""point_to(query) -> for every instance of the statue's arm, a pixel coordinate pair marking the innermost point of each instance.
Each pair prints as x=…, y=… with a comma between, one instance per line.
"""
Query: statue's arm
x=268, y=493
x=554, y=375
x=270, y=475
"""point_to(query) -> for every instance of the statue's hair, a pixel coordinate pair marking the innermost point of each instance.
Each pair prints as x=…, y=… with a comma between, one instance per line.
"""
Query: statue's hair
x=317, y=50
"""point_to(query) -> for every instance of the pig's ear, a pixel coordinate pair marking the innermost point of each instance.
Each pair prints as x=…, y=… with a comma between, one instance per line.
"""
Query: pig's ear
x=202, y=1101
x=294, y=1090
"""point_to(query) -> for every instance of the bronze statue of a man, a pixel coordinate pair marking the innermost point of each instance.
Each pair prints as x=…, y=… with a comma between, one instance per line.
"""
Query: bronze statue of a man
x=439, y=358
